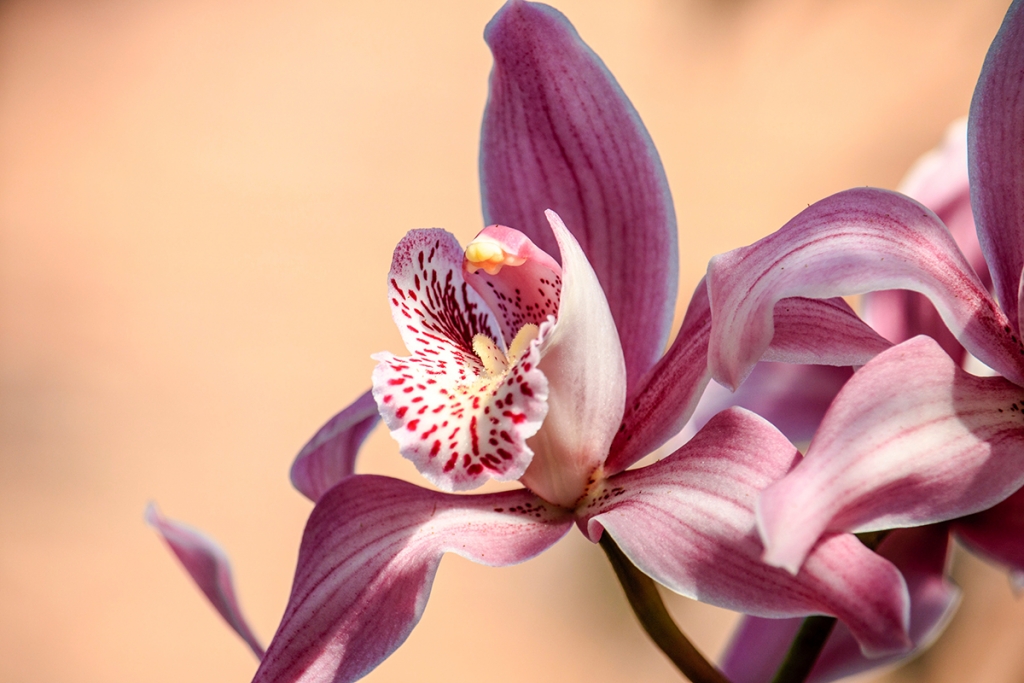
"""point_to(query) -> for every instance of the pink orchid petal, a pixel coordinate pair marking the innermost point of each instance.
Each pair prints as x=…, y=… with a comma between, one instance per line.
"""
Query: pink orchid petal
x=997, y=533
x=206, y=563
x=330, y=455
x=852, y=242
x=458, y=420
x=560, y=134
x=666, y=396
x=938, y=180
x=688, y=522
x=521, y=294
x=367, y=561
x=996, y=159
x=911, y=439
x=759, y=645
x=794, y=398
x=586, y=374
x=821, y=331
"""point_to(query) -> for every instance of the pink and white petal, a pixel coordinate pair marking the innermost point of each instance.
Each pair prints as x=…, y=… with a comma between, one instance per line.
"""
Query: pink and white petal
x=853, y=242
x=208, y=565
x=910, y=440
x=759, y=645
x=461, y=422
x=899, y=314
x=330, y=455
x=688, y=522
x=794, y=398
x=997, y=533
x=367, y=561
x=995, y=145
x=559, y=133
x=821, y=332
x=663, y=400
x=521, y=294
x=582, y=360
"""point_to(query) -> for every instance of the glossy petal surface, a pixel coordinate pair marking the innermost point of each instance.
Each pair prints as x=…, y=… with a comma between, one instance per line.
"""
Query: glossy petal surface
x=560, y=134
x=582, y=361
x=996, y=158
x=460, y=409
x=911, y=439
x=852, y=242
x=330, y=455
x=206, y=563
x=688, y=522
x=367, y=561
x=759, y=645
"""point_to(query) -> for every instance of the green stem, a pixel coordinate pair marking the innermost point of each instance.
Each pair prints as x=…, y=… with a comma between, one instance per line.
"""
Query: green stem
x=804, y=652
x=814, y=632
x=643, y=596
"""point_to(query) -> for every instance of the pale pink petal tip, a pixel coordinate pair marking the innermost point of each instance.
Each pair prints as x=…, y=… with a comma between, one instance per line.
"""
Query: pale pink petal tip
x=330, y=455
x=208, y=566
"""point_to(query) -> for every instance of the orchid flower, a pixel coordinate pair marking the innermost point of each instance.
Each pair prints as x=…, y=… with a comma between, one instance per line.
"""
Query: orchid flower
x=795, y=398
x=912, y=439
x=534, y=357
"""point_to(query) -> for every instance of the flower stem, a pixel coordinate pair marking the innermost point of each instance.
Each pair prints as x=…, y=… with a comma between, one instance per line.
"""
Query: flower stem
x=814, y=632
x=643, y=596
x=806, y=647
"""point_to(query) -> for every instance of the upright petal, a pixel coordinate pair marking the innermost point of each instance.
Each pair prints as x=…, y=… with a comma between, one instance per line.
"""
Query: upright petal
x=582, y=361
x=208, y=566
x=911, y=439
x=759, y=645
x=688, y=522
x=330, y=455
x=853, y=242
x=667, y=395
x=560, y=134
x=460, y=408
x=996, y=156
x=367, y=561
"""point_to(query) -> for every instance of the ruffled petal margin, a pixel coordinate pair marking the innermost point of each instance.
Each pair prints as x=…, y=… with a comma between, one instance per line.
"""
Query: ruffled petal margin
x=688, y=522
x=367, y=561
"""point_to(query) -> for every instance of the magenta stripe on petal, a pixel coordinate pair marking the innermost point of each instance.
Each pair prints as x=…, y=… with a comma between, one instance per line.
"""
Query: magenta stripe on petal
x=560, y=134
x=688, y=522
x=208, y=566
x=821, y=332
x=853, y=242
x=995, y=145
x=330, y=455
x=367, y=561
x=911, y=439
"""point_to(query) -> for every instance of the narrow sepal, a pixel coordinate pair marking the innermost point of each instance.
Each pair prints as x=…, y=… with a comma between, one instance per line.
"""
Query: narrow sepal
x=330, y=455
x=688, y=522
x=208, y=565
x=558, y=133
x=911, y=439
x=367, y=561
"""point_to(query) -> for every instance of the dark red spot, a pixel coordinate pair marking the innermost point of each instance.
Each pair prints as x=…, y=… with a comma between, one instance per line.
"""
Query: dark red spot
x=400, y=413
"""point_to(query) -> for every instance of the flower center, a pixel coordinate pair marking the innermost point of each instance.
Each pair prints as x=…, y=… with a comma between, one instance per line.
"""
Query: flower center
x=495, y=362
x=487, y=254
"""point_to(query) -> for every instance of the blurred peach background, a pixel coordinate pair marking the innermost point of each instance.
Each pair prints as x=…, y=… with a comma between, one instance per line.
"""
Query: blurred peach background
x=198, y=203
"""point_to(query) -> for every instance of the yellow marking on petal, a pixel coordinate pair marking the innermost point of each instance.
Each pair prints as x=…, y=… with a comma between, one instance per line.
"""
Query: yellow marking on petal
x=488, y=255
x=526, y=334
x=490, y=355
